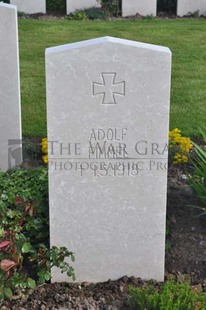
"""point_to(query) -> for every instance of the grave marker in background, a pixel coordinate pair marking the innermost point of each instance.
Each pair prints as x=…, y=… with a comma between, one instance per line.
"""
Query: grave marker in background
x=72, y=5
x=108, y=121
x=10, y=109
x=142, y=7
x=30, y=6
x=191, y=6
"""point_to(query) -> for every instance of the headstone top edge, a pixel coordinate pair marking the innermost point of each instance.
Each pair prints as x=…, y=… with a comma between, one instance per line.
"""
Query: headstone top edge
x=107, y=39
x=8, y=6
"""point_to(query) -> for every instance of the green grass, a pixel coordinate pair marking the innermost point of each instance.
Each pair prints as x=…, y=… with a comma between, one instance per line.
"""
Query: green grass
x=185, y=37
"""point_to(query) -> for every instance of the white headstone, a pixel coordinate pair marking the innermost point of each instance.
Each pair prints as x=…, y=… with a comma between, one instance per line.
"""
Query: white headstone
x=190, y=6
x=81, y=4
x=10, y=110
x=30, y=6
x=108, y=114
x=142, y=7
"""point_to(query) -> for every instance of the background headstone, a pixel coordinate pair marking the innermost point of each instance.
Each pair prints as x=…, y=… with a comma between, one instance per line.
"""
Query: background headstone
x=81, y=5
x=108, y=116
x=10, y=110
x=30, y=6
x=190, y=6
x=142, y=7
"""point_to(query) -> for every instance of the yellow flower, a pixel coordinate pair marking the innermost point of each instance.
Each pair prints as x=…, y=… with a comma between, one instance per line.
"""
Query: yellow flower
x=44, y=145
x=44, y=149
x=45, y=159
x=181, y=146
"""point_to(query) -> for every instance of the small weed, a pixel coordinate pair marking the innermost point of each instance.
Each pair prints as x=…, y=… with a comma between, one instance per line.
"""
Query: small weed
x=171, y=296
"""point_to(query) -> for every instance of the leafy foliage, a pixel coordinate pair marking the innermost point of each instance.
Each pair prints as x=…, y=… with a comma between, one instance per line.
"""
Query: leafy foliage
x=25, y=256
x=112, y=7
x=198, y=179
x=96, y=13
x=78, y=15
x=90, y=13
x=171, y=296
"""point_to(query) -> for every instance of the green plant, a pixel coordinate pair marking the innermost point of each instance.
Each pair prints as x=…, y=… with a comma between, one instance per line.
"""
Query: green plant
x=96, y=13
x=149, y=17
x=90, y=13
x=113, y=7
x=78, y=15
x=170, y=296
x=179, y=147
x=25, y=256
x=195, y=14
x=198, y=178
x=56, y=5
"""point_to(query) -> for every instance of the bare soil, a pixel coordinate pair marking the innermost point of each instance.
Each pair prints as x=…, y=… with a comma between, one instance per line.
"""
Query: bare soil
x=187, y=230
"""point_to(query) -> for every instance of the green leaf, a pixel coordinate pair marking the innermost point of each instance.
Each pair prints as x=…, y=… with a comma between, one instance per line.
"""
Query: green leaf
x=23, y=285
x=72, y=258
x=70, y=272
x=1, y=296
x=41, y=280
x=31, y=283
x=8, y=292
x=26, y=247
x=1, y=232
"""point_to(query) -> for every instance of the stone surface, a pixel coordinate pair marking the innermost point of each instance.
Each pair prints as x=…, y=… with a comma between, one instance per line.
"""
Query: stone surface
x=144, y=8
x=81, y=4
x=30, y=6
x=190, y=6
x=108, y=115
x=10, y=110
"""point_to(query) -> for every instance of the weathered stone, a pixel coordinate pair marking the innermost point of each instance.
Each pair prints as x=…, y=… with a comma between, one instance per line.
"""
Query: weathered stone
x=81, y=5
x=30, y=6
x=10, y=109
x=146, y=7
x=108, y=115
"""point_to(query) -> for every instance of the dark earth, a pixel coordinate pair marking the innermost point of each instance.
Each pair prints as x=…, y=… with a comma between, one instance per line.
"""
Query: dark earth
x=185, y=255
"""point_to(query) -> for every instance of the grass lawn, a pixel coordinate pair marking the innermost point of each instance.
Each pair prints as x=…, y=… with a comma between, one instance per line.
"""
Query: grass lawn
x=185, y=37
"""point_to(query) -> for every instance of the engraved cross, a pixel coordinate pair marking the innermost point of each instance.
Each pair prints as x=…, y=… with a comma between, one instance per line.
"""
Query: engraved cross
x=109, y=88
